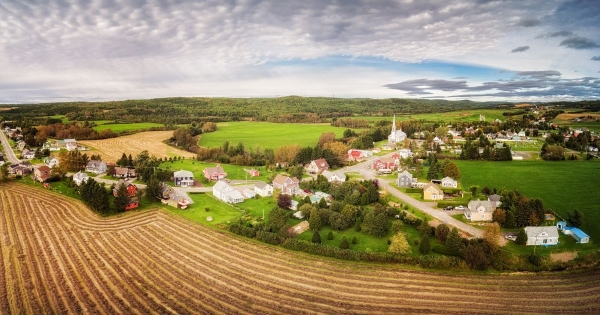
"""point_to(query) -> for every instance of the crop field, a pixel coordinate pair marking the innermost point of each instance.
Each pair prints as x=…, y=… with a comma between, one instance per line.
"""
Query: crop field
x=118, y=128
x=458, y=116
x=267, y=135
x=112, y=149
x=59, y=257
x=563, y=185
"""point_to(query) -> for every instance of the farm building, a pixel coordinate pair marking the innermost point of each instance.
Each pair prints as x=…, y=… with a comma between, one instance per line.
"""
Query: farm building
x=183, y=178
x=252, y=172
x=214, y=173
x=432, y=192
x=131, y=188
x=580, y=236
x=542, y=235
x=480, y=210
x=133, y=203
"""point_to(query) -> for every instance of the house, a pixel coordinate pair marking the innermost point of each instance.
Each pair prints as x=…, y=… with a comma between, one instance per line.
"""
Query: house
x=175, y=198
x=448, y=182
x=183, y=178
x=438, y=141
x=70, y=144
x=432, y=192
x=263, y=189
x=20, y=145
x=396, y=135
x=19, y=169
x=358, y=155
x=51, y=161
x=96, y=167
x=405, y=153
x=123, y=172
x=27, y=154
x=214, y=173
x=80, y=177
x=131, y=188
x=287, y=185
x=495, y=199
x=541, y=235
x=334, y=177
x=580, y=236
x=385, y=164
x=405, y=179
x=249, y=193
x=480, y=210
x=226, y=193
x=317, y=166
x=42, y=173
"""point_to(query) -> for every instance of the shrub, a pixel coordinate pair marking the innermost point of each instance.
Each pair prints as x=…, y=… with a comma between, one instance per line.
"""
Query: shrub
x=354, y=240
x=414, y=190
x=424, y=247
x=270, y=238
x=535, y=260
x=445, y=250
x=330, y=235
x=316, y=238
x=521, y=238
x=344, y=243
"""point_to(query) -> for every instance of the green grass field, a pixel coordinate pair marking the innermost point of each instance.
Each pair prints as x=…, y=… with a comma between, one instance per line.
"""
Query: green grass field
x=267, y=135
x=465, y=115
x=234, y=172
x=220, y=212
x=118, y=128
x=563, y=186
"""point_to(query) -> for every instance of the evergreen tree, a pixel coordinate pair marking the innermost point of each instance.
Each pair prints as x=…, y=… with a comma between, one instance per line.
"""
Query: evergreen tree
x=322, y=203
x=575, y=218
x=521, y=238
x=122, y=198
x=315, y=220
x=354, y=240
x=424, y=246
x=424, y=228
x=330, y=235
x=153, y=189
x=344, y=243
x=441, y=232
x=454, y=241
x=316, y=238
x=510, y=220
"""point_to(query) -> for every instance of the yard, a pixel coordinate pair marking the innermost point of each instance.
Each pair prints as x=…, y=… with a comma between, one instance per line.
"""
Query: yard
x=220, y=212
x=563, y=186
x=266, y=135
x=234, y=172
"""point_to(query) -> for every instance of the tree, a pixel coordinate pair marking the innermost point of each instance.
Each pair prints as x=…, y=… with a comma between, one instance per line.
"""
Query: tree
x=325, y=138
x=453, y=241
x=521, y=238
x=399, y=244
x=441, y=232
x=575, y=218
x=316, y=238
x=122, y=198
x=451, y=170
x=424, y=228
x=376, y=223
x=510, y=220
x=153, y=189
x=424, y=246
x=315, y=220
x=330, y=235
x=473, y=190
x=492, y=235
x=476, y=257
x=284, y=201
x=344, y=243
x=354, y=240
x=322, y=203
x=499, y=215
x=278, y=218
x=306, y=209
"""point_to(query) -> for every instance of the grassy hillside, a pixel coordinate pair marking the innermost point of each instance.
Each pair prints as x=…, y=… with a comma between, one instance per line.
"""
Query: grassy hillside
x=118, y=128
x=464, y=115
x=267, y=135
x=563, y=186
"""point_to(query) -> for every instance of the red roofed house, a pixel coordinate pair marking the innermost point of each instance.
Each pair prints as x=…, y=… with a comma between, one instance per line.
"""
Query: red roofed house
x=131, y=188
x=385, y=164
x=317, y=166
x=214, y=173
x=42, y=173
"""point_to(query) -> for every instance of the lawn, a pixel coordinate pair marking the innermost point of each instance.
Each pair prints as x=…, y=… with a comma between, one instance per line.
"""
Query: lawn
x=219, y=211
x=118, y=128
x=234, y=172
x=563, y=186
x=267, y=135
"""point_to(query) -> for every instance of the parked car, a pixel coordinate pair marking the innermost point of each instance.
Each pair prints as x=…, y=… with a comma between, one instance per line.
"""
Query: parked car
x=448, y=208
x=460, y=208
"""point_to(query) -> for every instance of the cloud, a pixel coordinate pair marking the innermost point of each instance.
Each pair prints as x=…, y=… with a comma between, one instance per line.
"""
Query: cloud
x=596, y=58
x=520, y=49
x=529, y=22
x=556, y=34
x=540, y=84
x=579, y=42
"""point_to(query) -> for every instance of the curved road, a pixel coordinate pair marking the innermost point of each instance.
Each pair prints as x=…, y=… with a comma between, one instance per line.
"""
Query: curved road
x=8, y=151
x=363, y=169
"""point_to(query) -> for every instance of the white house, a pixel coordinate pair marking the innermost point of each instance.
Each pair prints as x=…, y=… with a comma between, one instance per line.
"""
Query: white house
x=70, y=144
x=334, y=176
x=480, y=210
x=28, y=154
x=396, y=135
x=249, y=193
x=263, y=189
x=226, y=193
x=80, y=177
x=95, y=166
x=449, y=182
x=183, y=178
x=405, y=153
x=51, y=161
x=542, y=235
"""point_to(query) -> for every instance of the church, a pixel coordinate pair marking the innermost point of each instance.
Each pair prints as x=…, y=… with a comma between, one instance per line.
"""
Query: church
x=396, y=135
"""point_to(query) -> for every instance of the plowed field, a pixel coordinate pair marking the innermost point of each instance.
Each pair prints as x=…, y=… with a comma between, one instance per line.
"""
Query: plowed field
x=59, y=257
x=112, y=149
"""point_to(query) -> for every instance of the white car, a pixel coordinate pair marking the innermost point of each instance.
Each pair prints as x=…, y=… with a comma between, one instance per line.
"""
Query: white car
x=460, y=208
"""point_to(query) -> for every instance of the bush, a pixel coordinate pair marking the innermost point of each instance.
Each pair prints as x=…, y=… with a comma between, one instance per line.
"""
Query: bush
x=344, y=243
x=445, y=250
x=354, y=240
x=330, y=235
x=535, y=260
x=270, y=238
x=316, y=238
x=521, y=238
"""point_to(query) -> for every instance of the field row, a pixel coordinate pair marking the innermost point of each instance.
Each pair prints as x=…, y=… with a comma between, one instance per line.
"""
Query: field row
x=59, y=257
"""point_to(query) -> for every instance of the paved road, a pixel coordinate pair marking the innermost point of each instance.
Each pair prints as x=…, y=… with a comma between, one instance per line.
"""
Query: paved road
x=366, y=172
x=8, y=151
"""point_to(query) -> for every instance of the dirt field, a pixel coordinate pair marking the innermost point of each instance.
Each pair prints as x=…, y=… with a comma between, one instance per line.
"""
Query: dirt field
x=112, y=149
x=58, y=257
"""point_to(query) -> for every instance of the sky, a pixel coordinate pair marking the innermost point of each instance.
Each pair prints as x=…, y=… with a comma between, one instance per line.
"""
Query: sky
x=483, y=50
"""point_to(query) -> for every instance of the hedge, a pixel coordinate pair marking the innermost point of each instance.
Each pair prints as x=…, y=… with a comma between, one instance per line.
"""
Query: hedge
x=445, y=250
x=443, y=204
x=414, y=190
